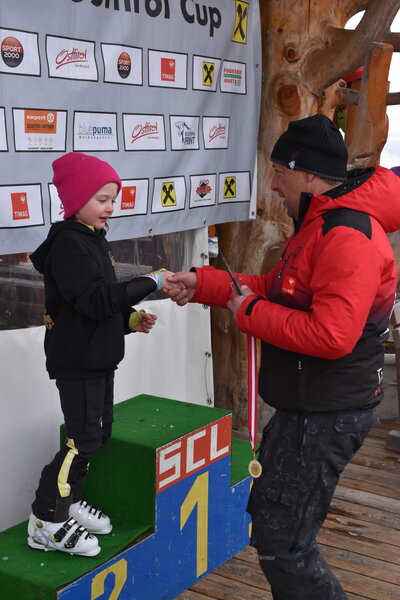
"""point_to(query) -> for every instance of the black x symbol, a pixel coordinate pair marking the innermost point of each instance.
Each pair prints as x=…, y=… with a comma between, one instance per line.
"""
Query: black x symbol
x=242, y=15
x=209, y=71
x=167, y=191
x=228, y=187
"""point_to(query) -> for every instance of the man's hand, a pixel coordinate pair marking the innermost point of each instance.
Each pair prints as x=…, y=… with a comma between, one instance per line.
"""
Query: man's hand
x=236, y=300
x=147, y=321
x=180, y=287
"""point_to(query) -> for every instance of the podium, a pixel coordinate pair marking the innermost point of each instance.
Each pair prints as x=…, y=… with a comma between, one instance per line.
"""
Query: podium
x=175, y=485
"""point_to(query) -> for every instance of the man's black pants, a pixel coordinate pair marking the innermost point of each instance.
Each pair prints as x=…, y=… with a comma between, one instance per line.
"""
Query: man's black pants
x=87, y=405
x=302, y=455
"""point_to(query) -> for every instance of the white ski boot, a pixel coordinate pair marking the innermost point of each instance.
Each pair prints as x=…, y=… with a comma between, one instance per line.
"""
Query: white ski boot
x=68, y=537
x=90, y=517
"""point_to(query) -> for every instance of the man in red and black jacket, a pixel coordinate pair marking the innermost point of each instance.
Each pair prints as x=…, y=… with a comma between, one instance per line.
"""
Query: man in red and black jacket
x=321, y=315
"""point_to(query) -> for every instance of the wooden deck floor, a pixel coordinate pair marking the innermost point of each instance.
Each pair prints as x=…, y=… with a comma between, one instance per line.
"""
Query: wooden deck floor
x=360, y=538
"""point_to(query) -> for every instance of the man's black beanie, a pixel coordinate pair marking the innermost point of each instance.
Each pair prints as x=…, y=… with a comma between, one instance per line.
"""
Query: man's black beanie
x=314, y=145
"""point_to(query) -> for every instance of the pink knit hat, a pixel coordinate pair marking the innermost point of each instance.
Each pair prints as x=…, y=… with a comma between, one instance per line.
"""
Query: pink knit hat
x=78, y=177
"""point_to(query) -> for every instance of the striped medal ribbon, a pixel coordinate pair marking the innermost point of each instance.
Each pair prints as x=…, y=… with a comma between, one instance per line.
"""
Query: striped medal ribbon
x=255, y=468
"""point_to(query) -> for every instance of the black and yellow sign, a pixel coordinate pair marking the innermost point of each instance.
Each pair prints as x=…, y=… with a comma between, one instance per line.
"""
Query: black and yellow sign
x=168, y=195
x=230, y=187
x=240, y=27
x=208, y=73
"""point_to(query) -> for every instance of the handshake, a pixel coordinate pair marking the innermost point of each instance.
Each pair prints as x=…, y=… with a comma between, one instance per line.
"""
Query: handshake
x=180, y=287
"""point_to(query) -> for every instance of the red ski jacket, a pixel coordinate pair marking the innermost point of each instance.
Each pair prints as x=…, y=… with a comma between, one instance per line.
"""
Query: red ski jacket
x=322, y=313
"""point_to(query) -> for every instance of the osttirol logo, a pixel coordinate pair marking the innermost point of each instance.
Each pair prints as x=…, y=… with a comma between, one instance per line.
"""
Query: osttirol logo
x=12, y=52
x=124, y=65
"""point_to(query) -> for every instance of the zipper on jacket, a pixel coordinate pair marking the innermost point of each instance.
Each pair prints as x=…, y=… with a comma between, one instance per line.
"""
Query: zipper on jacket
x=283, y=267
x=301, y=380
x=284, y=262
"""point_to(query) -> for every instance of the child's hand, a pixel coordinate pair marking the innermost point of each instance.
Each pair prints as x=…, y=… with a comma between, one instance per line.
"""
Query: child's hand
x=165, y=274
x=147, y=321
x=181, y=287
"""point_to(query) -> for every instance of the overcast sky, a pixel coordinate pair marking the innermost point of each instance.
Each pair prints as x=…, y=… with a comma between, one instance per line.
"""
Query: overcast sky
x=390, y=156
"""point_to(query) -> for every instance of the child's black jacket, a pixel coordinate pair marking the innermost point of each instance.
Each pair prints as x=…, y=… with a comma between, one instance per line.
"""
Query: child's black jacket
x=86, y=310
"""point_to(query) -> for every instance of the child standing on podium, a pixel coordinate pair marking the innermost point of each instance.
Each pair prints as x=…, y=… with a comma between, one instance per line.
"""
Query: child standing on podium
x=87, y=314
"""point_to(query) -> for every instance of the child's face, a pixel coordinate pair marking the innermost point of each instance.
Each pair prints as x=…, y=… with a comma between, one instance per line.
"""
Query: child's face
x=100, y=207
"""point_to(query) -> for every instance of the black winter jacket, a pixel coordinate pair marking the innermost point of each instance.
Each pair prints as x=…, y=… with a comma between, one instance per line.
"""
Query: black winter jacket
x=86, y=310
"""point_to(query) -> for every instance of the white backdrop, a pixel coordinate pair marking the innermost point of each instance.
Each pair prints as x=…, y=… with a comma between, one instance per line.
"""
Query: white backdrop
x=173, y=361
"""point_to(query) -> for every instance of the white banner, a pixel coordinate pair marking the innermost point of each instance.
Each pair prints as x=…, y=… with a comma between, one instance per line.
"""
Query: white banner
x=167, y=92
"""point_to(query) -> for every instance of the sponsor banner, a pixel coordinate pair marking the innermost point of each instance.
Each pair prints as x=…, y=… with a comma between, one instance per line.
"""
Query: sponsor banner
x=71, y=59
x=205, y=73
x=215, y=132
x=21, y=206
x=144, y=132
x=169, y=194
x=122, y=64
x=233, y=77
x=203, y=190
x=19, y=52
x=3, y=132
x=39, y=130
x=132, y=199
x=167, y=69
x=95, y=131
x=184, y=132
x=120, y=79
x=234, y=187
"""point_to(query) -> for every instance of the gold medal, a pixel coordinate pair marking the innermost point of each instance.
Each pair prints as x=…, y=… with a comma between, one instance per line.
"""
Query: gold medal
x=255, y=468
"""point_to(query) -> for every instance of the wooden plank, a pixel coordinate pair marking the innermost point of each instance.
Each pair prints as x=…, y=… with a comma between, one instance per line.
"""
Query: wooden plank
x=221, y=588
x=381, y=461
x=359, y=563
x=363, y=529
x=371, y=480
x=367, y=499
x=368, y=587
x=344, y=509
x=239, y=570
x=192, y=595
x=341, y=538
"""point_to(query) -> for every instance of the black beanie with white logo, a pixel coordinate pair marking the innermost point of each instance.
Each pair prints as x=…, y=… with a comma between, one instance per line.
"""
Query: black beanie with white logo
x=314, y=145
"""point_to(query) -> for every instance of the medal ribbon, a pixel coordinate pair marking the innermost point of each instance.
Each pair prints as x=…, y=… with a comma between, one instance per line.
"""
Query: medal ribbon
x=252, y=390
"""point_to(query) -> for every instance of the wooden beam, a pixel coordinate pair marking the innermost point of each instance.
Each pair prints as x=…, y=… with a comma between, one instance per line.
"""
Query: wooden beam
x=366, y=130
x=394, y=40
x=345, y=50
